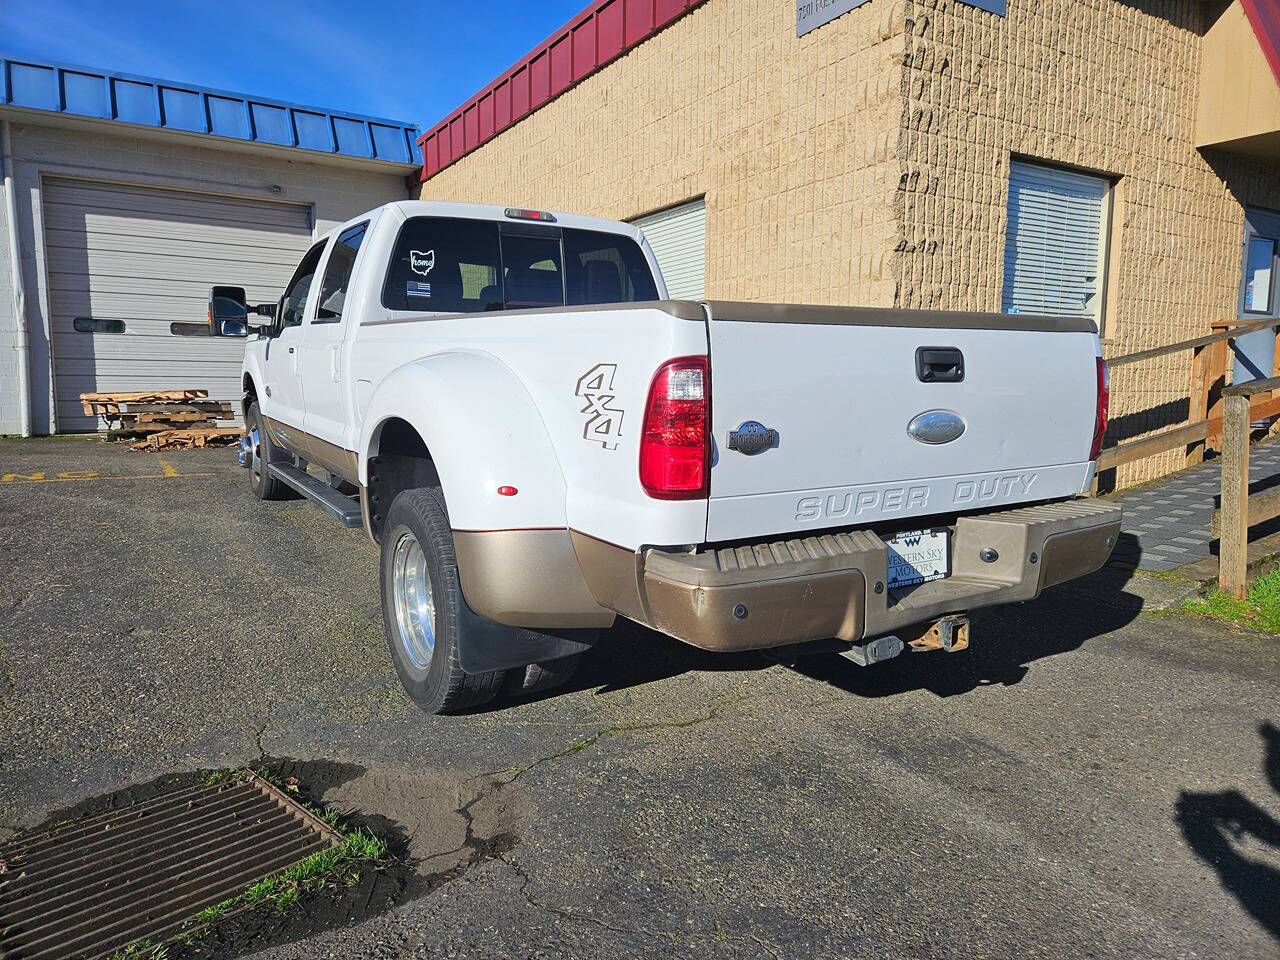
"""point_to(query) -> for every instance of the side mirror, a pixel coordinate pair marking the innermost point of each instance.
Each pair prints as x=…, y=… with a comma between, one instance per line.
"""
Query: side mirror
x=227, y=312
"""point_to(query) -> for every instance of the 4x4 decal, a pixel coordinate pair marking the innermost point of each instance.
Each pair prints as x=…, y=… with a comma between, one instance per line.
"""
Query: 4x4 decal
x=604, y=420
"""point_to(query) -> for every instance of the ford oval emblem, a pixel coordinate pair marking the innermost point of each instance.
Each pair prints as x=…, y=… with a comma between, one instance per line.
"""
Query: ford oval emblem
x=936, y=426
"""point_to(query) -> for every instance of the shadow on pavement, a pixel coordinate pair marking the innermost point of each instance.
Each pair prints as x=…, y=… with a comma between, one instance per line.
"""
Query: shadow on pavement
x=1220, y=828
x=1005, y=641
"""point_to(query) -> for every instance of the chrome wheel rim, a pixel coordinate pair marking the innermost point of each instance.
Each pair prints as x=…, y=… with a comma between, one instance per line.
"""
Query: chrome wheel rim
x=255, y=453
x=414, y=603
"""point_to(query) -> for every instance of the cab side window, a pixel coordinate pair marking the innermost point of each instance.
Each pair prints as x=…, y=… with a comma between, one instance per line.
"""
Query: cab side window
x=293, y=305
x=337, y=274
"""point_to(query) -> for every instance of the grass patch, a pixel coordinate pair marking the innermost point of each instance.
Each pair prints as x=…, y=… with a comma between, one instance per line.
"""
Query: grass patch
x=1168, y=576
x=215, y=777
x=142, y=950
x=1259, y=610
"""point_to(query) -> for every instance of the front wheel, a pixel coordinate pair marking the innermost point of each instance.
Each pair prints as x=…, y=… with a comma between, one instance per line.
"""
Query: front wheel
x=259, y=452
x=421, y=606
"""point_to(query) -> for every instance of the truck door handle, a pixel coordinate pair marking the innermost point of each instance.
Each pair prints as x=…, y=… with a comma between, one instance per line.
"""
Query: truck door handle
x=291, y=349
x=939, y=365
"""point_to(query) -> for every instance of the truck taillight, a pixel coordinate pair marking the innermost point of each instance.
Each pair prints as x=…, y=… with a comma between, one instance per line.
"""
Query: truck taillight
x=675, y=447
x=1104, y=400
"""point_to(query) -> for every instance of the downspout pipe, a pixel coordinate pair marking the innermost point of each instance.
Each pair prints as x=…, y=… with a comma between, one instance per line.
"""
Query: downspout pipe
x=19, y=289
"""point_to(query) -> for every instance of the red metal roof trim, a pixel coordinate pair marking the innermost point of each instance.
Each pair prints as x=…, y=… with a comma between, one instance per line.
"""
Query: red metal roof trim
x=1265, y=17
x=586, y=44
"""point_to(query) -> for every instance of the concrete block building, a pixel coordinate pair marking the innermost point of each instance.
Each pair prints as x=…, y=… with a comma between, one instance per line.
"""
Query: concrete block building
x=125, y=198
x=1118, y=159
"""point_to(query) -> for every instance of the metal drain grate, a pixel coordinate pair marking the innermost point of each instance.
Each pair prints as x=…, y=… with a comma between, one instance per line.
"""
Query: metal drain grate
x=94, y=886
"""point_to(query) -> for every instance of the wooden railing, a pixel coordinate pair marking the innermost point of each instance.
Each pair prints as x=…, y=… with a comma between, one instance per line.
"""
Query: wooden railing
x=1204, y=427
x=1238, y=510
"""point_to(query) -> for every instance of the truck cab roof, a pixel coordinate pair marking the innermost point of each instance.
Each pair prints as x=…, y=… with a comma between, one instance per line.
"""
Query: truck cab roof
x=489, y=211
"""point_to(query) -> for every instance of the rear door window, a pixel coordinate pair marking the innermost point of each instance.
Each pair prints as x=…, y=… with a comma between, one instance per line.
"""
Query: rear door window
x=293, y=305
x=445, y=265
x=337, y=274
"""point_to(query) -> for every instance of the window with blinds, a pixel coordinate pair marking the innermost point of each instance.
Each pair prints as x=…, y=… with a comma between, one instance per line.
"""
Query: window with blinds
x=1055, y=246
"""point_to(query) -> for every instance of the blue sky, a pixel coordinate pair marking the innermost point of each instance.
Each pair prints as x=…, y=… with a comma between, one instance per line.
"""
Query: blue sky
x=405, y=61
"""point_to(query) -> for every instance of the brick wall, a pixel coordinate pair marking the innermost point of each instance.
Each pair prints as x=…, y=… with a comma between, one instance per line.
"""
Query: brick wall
x=1107, y=86
x=790, y=140
x=336, y=193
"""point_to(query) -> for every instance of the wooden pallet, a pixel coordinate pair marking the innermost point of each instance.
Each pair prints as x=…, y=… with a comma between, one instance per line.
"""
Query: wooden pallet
x=95, y=403
x=174, y=406
x=193, y=417
x=132, y=431
x=163, y=419
x=192, y=437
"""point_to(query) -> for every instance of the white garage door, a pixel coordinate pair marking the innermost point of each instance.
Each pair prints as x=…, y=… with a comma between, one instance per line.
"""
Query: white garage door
x=147, y=257
x=678, y=237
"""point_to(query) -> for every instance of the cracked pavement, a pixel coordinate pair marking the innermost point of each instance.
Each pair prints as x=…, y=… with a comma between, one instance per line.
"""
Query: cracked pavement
x=1071, y=786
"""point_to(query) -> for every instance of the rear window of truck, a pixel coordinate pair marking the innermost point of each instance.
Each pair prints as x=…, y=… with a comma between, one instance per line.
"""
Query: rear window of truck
x=456, y=265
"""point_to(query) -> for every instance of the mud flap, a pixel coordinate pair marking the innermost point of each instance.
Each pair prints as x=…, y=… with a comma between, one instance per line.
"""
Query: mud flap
x=484, y=645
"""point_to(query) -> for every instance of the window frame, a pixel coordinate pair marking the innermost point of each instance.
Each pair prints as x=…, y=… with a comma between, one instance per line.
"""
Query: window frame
x=1106, y=220
x=531, y=231
x=315, y=319
x=1251, y=233
x=320, y=246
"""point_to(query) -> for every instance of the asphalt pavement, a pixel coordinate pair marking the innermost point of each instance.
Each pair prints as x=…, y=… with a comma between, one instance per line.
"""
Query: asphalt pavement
x=1091, y=779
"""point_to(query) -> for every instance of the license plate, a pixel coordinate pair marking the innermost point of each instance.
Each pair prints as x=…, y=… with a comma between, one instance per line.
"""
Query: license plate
x=918, y=557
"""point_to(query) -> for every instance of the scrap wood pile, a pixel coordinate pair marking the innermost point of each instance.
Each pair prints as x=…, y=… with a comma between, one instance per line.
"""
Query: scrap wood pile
x=163, y=419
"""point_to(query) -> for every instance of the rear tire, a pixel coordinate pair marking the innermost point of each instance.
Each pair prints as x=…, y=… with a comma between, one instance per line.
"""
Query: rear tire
x=539, y=677
x=264, y=486
x=421, y=606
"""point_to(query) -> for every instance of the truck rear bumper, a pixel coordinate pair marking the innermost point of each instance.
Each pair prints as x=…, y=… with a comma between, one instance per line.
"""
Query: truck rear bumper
x=776, y=593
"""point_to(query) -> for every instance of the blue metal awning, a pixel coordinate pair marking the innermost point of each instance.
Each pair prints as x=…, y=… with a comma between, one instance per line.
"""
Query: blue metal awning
x=104, y=95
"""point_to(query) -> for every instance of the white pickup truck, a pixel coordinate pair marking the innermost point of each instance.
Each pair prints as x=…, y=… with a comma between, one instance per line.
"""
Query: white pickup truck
x=541, y=442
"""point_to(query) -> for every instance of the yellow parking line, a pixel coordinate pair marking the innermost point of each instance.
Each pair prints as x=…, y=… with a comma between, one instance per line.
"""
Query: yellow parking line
x=67, y=475
x=164, y=465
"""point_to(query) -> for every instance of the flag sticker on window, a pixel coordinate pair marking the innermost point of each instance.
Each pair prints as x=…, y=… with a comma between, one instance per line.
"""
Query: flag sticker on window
x=416, y=288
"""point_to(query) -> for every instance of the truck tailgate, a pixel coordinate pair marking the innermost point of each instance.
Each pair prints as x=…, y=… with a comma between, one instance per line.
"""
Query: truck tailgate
x=842, y=386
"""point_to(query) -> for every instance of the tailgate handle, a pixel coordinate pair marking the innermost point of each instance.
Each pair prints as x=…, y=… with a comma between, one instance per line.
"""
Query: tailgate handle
x=939, y=365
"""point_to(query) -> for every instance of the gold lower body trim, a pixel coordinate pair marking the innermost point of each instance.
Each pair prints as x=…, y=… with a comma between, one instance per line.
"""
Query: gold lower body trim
x=335, y=459
x=526, y=578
